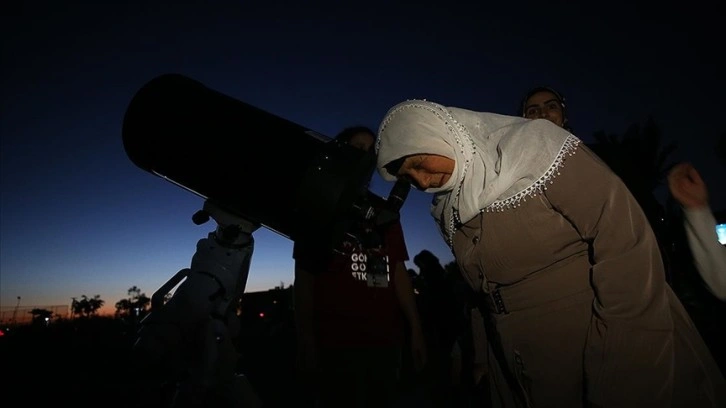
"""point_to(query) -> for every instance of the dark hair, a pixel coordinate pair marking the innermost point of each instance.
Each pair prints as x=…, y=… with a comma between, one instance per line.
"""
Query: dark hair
x=429, y=266
x=346, y=134
x=543, y=88
x=538, y=89
x=425, y=257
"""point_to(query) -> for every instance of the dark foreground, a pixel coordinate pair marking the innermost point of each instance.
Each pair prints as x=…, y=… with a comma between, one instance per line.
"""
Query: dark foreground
x=91, y=362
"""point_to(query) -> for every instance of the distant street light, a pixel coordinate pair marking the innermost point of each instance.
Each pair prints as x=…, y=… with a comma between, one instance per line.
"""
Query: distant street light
x=15, y=312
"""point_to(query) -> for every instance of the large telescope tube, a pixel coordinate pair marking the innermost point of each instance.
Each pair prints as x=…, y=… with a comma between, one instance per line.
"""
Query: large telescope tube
x=264, y=168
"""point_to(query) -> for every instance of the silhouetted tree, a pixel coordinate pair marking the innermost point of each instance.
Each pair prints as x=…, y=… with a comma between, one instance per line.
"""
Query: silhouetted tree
x=123, y=307
x=638, y=157
x=86, y=307
x=136, y=305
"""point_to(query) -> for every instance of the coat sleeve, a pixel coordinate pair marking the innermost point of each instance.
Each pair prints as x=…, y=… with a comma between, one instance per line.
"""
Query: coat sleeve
x=709, y=255
x=629, y=356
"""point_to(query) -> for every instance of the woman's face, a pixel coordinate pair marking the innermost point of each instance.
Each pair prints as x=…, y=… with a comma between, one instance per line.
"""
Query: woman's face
x=426, y=171
x=545, y=105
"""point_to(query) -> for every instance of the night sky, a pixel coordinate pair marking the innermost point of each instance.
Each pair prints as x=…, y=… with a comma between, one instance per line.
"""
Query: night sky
x=77, y=217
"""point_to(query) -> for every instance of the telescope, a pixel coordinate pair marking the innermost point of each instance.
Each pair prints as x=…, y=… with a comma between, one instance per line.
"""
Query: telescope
x=252, y=168
x=250, y=162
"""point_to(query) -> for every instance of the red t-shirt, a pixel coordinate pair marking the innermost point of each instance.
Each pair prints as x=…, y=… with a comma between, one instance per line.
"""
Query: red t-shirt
x=352, y=306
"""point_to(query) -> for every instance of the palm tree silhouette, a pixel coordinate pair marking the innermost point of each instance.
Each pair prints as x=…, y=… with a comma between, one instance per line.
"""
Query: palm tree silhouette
x=640, y=158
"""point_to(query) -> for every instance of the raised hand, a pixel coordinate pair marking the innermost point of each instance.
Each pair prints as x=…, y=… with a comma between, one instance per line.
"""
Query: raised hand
x=687, y=186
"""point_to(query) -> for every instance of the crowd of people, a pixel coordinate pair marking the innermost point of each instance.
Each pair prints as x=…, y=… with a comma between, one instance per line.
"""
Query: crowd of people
x=558, y=293
x=584, y=317
x=561, y=292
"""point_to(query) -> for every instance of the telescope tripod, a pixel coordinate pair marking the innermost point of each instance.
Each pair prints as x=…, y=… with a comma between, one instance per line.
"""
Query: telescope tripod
x=185, y=346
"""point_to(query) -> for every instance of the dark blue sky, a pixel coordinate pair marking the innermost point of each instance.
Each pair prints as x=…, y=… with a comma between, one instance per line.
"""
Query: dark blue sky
x=77, y=217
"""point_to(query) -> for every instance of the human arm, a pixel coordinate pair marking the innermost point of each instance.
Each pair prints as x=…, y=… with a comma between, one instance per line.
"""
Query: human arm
x=629, y=354
x=407, y=302
x=304, y=290
x=687, y=186
x=403, y=290
x=709, y=255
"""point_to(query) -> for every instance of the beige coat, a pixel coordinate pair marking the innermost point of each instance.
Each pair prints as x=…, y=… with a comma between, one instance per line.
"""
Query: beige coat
x=578, y=308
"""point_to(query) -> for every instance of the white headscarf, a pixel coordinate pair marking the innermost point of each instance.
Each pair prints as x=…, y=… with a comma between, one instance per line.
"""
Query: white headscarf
x=500, y=159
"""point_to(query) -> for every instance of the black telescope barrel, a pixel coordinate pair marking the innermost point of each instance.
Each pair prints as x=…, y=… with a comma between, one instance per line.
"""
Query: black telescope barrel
x=251, y=162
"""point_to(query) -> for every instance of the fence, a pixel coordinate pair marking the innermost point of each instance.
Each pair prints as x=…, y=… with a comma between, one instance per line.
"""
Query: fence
x=21, y=314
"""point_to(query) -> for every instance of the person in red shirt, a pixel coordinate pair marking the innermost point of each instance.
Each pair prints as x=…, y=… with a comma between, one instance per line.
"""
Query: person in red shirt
x=354, y=306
